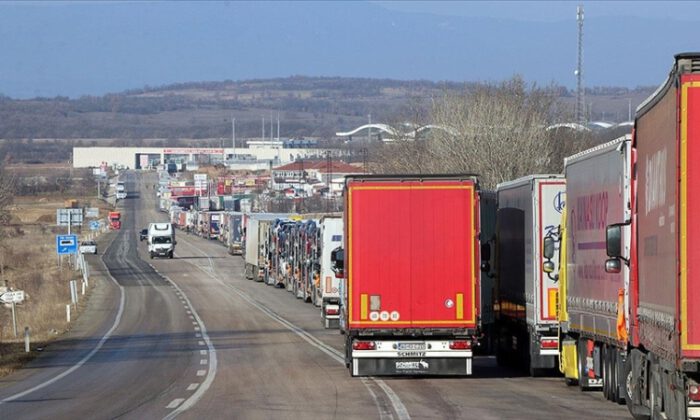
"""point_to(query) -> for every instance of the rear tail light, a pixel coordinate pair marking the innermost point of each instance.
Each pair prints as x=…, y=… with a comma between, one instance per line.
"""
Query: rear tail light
x=460, y=345
x=331, y=311
x=694, y=392
x=549, y=344
x=363, y=345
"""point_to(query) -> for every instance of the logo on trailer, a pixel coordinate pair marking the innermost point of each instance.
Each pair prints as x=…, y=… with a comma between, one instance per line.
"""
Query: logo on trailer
x=394, y=315
x=560, y=201
x=374, y=316
x=449, y=304
x=384, y=316
x=419, y=365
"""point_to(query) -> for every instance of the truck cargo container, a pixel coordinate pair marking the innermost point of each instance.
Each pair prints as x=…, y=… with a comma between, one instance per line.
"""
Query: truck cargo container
x=254, y=247
x=593, y=302
x=213, y=220
x=526, y=325
x=412, y=267
x=662, y=369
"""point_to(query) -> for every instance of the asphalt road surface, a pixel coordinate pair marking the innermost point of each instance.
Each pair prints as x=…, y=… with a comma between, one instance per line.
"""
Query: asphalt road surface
x=191, y=337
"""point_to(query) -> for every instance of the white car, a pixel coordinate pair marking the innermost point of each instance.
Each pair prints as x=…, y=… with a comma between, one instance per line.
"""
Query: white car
x=88, y=247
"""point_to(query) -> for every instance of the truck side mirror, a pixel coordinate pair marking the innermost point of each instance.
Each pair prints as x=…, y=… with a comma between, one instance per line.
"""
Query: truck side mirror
x=613, y=241
x=485, y=266
x=548, y=251
x=613, y=266
x=485, y=252
x=548, y=267
x=338, y=262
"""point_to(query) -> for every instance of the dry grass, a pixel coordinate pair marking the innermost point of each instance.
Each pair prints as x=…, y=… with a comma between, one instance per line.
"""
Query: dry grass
x=28, y=261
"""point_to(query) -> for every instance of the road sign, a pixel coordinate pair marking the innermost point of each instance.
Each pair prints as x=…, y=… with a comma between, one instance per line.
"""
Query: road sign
x=15, y=296
x=74, y=215
x=66, y=244
x=92, y=212
x=94, y=225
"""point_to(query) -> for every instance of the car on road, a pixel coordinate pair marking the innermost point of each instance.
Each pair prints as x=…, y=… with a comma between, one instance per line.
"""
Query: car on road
x=88, y=247
x=143, y=234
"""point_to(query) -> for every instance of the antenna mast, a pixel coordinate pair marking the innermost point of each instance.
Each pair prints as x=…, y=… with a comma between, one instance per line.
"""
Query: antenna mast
x=580, y=91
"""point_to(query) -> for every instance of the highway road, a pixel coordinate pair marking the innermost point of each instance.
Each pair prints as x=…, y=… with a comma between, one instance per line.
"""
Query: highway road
x=191, y=337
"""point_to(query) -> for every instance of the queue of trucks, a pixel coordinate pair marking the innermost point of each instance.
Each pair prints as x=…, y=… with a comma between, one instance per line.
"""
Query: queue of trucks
x=591, y=271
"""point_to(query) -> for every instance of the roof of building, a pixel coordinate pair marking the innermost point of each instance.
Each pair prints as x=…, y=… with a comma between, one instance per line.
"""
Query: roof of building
x=322, y=166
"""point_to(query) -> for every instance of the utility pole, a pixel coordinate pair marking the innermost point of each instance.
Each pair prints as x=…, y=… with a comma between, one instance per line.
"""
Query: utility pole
x=629, y=109
x=278, y=126
x=263, y=128
x=580, y=90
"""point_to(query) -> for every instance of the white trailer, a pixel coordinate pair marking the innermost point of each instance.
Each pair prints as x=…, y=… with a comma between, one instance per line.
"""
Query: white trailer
x=327, y=294
x=529, y=209
x=252, y=248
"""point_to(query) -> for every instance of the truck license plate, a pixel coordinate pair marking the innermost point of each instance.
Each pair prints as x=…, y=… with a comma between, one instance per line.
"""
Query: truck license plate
x=411, y=346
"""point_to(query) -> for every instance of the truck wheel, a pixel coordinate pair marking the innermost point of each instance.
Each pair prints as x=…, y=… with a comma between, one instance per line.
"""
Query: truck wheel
x=151, y=255
x=582, y=356
x=170, y=255
x=607, y=383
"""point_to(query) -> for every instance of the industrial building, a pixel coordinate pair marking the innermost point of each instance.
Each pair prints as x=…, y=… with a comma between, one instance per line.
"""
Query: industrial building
x=261, y=156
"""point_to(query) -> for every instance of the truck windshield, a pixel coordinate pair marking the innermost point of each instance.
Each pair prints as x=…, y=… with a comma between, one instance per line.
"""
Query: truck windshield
x=161, y=239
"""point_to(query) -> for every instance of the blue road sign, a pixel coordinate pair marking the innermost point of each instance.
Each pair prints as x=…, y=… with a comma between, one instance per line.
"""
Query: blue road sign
x=94, y=225
x=66, y=244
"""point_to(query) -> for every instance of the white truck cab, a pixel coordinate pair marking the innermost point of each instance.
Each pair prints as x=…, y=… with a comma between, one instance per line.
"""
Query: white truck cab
x=161, y=240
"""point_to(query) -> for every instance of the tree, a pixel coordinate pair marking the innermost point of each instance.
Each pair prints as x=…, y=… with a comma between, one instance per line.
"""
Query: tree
x=497, y=131
x=7, y=192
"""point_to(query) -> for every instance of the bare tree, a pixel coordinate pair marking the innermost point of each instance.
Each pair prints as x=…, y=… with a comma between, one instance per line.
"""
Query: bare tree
x=498, y=131
x=7, y=192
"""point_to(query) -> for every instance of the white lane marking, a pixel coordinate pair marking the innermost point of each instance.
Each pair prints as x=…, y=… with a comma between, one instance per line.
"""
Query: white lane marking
x=203, y=362
x=198, y=335
x=203, y=352
x=210, y=374
x=189, y=312
x=191, y=317
x=201, y=343
x=394, y=399
x=192, y=387
x=174, y=403
x=194, y=322
x=115, y=324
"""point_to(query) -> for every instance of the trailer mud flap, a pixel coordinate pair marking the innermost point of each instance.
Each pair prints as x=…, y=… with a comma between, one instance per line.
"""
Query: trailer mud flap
x=396, y=367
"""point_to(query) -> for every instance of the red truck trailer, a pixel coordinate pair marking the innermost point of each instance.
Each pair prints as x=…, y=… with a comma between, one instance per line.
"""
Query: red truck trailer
x=662, y=369
x=412, y=273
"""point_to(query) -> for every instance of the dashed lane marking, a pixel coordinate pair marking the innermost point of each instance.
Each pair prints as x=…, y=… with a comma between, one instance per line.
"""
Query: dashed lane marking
x=192, y=387
x=174, y=403
x=201, y=372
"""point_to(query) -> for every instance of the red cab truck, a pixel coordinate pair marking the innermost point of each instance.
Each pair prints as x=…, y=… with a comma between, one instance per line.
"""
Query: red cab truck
x=662, y=369
x=115, y=222
x=412, y=270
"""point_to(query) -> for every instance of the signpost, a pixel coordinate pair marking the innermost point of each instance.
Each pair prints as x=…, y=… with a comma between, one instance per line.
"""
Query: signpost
x=69, y=217
x=66, y=244
x=13, y=297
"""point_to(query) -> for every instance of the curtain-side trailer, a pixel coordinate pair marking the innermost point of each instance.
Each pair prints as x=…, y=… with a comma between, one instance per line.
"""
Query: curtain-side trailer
x=662, y=369
x=412, y=270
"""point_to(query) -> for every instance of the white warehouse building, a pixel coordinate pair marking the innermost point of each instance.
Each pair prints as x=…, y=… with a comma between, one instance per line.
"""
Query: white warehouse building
x=138, y=157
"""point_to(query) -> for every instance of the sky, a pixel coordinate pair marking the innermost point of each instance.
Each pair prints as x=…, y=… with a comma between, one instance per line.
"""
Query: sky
x=91, y=48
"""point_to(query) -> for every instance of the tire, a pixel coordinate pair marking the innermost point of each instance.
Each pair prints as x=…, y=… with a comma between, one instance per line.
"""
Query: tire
x=607, y=386
x=581, y=347
x=170, y=255
x=151, y=255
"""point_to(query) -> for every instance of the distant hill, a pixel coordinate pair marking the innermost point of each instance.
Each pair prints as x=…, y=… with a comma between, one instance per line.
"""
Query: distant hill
x=307, y=106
